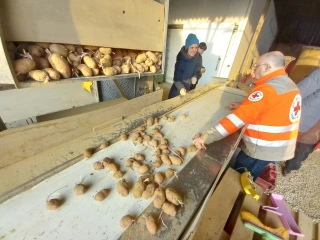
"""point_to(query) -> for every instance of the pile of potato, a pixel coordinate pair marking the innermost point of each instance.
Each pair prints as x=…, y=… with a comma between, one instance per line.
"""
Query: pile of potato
x=148, y=185
x=50, y=61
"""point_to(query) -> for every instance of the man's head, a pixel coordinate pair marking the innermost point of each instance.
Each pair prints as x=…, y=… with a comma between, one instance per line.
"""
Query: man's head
x=202, y=47
x=268, y=63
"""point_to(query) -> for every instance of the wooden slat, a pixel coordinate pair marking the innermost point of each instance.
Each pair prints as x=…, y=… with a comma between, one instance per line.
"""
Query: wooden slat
x=306, y=227
x=318, y=232
x=132, y=24
x=21, y=143
x=6, y=71
x=219, y=207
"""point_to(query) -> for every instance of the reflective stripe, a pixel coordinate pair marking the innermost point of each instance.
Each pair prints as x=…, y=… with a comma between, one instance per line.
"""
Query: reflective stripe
x=260, y=142
x=235, y=120
x=273, y=129
x=221, y=130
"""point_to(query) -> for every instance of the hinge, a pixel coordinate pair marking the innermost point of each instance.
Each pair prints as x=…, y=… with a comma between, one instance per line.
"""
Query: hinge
x=235, y=28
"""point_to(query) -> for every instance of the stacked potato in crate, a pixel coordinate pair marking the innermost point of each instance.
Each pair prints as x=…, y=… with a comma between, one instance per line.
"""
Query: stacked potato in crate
x=51, y=61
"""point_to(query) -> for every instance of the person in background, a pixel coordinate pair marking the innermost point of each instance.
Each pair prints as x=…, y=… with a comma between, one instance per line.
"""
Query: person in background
x=185, y=67
x=270, y=115
x=309, y=131
x=198, y=60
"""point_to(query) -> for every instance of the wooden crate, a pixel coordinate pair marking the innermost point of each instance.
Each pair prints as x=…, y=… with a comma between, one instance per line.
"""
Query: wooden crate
x=221, y=220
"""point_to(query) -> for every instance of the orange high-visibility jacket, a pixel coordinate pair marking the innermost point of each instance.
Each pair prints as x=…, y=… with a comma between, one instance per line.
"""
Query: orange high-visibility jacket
x=271, y=112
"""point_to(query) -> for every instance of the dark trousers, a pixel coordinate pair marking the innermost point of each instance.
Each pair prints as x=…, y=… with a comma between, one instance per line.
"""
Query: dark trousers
x=301, y=153
x=253, y=165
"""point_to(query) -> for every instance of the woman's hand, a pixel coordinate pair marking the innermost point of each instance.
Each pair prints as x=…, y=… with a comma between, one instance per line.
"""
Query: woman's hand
x=183, y=91
x=199, y=143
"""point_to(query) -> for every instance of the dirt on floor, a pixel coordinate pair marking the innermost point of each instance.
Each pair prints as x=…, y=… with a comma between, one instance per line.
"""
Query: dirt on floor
x=301, y=189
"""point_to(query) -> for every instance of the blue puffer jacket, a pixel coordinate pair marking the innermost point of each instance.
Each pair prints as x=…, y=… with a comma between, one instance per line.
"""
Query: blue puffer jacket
x=310, y=93
x=185, y=69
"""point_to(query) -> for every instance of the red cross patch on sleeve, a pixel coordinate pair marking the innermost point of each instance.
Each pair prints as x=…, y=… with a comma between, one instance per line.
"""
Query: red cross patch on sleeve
x=256, y=96
x=295, y=110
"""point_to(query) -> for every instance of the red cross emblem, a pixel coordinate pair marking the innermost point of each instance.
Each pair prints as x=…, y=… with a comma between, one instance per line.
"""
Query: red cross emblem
x=256, y=96
x=297, y=108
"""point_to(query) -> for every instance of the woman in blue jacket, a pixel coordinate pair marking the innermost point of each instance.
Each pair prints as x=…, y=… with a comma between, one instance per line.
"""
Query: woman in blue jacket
x=185, y=68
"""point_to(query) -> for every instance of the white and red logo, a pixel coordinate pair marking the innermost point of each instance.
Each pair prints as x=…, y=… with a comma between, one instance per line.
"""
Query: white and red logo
x=256, y=96
x=295, y=110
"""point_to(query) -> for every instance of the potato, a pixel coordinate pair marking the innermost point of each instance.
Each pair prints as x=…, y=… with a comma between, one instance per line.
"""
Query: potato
x=95, y=71
x=152, y=56
x=166, y=151
x=147, y=138
x=105, y=50
x=158, y=127
x=154, y=131
x=35, y=50
x=154, y=143
x=175, y=160
x=162, y=146
x=70, y=47
x=164, y=142
x=138, y=188
x=149, y=191
x=104, y=145
x=157, y=153
x=138, y=68
x=85, y=70
x=112, y=167
x=75, y=65
x=158, y=67
x=157, y=164
x=106, y=61
x=129, y=162
x=89, y=62
x=117, y=62
x=21, y=77
x=79, y=189
x=53, y=74
x=173, y=197
x=43, y=44
x=41, y=63
x=192, y=148
x=159, y=135
x=123, y=188
x=74, y=58
x=164, y=117
x=118, y=174
x=158, y=177
x=153, y=69
x=198, y=135
x=39, y=75
x=98, y=55
x=59, y=49
x=143, y=169
x=159, y=63
x=142, y=128
x=171, y=119
x=139, y=157
x=109, y=71
x=88, y=153
x=169, y=209
x=22, y=47
x=101, y=195
x=148, y=62
x=169, y=173
x=177, y=153
x=53, y=204
x=117, y=53
x=124, y=137
x=11, y=47
x=182, y=151
x=136, y=164
x=60, y=64
x=146, y=68
x=126, y=221
x=97, y=166
x=135, y=136
x=106, y=161
x=159, y=197
x=24, y=65
x=133, y=55
x=183, y=116
x=117, y=68
x=91, y=48
x=140, y=140
x=125, y=69
x=165, y=159
x=142, y=134
x=151, y=225
x=141, y=58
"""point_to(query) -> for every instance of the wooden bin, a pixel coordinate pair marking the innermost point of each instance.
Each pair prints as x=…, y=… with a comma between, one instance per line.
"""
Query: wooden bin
x=127, y=24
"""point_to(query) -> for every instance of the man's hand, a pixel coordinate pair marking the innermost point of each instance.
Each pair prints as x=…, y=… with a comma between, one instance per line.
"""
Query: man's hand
x=234, y=105
x=199, y=143
x=203, y=70
x=183, y=91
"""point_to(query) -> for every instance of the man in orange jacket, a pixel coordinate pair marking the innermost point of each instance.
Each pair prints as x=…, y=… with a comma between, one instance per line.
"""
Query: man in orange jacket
x=271, y=113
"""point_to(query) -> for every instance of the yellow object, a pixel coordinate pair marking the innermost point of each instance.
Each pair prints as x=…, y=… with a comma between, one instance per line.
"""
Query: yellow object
x=87, y=86
x=248, y=185
x=250, y=218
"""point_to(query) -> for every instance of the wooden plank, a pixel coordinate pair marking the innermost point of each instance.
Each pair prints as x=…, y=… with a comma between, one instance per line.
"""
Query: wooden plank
x=318, y=231
x=306, y=227
x=219, y=207
x=29, y=140
x=117, y=24
x=19, y=104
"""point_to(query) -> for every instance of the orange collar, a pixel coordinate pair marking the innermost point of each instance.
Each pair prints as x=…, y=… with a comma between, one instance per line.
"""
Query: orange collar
x=274, y=74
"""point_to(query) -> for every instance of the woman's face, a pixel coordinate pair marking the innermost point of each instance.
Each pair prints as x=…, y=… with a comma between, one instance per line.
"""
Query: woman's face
x=193, y=49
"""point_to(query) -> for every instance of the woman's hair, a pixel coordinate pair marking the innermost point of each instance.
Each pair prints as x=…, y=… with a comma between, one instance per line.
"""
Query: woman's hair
x=203, y=46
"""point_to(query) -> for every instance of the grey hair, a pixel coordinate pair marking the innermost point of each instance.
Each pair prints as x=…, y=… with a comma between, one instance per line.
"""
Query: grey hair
x=275, y=59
